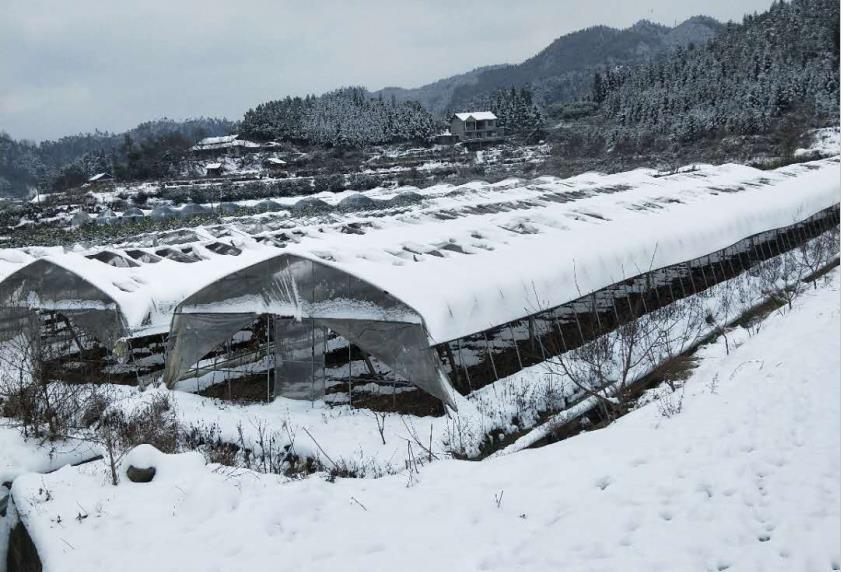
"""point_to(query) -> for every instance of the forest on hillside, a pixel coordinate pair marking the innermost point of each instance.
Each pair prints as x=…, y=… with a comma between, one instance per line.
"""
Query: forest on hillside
x=348, y=116
x=778, y=66
x=141, y=152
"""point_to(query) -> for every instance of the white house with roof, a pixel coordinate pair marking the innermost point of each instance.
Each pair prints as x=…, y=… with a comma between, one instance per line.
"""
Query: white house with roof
x=474, y=126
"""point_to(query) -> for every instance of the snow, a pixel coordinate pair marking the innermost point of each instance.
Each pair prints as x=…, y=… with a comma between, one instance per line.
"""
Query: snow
x=217, y=140
x=167, y=467
x=213, y=166
x=745, y=477
x=824, y=142
x=510, y=273
x=527, y=244
x=20, y=455
x=476, y=115
x=222, y=142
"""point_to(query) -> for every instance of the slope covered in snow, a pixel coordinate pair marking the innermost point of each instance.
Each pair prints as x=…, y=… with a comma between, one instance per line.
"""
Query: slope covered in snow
x=744, y=477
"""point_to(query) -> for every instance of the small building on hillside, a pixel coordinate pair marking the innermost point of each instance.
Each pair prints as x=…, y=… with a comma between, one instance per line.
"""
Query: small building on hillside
x=226, y=144
x=100, y=181
x=214, y=169
x=276, y=166
x=475, y=126
x=99, y=177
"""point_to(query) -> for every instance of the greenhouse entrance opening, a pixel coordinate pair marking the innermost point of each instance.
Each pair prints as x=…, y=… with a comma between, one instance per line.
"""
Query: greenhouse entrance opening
x=304, y=359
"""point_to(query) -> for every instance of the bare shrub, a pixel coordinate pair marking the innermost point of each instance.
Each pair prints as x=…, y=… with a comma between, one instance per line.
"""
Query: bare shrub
x=117, y=431
x=818, y=253
x=603, y=368
x=43, y=409
x=154, y=423
x=671, y=403
x=781, y=278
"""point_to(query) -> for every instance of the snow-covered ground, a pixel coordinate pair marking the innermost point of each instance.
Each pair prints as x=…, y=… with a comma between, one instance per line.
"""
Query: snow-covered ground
x=824, y=142
x=744, y=477
x=19, y=455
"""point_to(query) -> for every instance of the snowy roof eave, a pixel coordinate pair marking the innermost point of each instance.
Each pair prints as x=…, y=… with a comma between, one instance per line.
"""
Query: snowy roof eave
x=476, y=115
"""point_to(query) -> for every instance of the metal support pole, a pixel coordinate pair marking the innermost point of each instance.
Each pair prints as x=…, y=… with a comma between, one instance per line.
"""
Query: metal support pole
x=516, y=346
x=578, y=323
x=453, y=365
x=704, y=276
x=464, y=366
x=692, y=279
x=596, y=312
x=268, y=357
x=712, y=269
x=671, y=292
x=786, y=242
x=615, y=310
x=722, y=256
x=644, y=305
x=803, y=237
x=349, y=371
x=732, y=269
x=682, y=286
x=540, y=344
x=656, y=289
x=490, y=355
x=561, y=333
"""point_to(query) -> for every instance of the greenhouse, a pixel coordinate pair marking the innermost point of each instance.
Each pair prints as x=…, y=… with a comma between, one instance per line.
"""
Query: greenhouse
x=460, y=287
x=304, y=297
x=45, y=286
x=522, y=288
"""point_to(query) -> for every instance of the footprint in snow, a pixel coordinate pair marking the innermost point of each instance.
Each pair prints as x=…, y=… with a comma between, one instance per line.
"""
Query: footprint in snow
x=604, y=482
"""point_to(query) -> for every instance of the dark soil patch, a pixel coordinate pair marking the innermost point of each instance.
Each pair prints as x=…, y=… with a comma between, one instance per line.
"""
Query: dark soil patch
x=411, y=402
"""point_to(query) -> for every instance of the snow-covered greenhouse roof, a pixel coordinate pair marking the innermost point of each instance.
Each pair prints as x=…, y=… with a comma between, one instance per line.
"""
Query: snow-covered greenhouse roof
x=467, y=258
x=222, y=142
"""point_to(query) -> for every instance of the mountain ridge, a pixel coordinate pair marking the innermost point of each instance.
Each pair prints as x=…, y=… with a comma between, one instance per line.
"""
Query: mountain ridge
x=563, y=70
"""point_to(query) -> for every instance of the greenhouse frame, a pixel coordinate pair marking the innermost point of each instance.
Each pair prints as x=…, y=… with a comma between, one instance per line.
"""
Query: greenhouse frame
x=459, y=289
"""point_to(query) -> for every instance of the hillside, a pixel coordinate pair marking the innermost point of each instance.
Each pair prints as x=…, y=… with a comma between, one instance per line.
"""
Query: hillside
x=436, y=96
x=778, y=66
x=70, y=160
x=563, y=71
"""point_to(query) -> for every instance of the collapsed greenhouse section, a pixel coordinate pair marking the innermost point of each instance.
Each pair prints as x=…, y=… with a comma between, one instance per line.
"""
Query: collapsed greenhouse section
x=464, y=288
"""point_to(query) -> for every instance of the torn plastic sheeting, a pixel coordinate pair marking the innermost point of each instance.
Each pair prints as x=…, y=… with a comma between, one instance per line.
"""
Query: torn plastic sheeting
x=193, y=335
x=402, y=346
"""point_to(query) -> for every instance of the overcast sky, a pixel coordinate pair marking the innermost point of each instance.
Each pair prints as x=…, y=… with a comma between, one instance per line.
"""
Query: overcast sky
x=77, y=65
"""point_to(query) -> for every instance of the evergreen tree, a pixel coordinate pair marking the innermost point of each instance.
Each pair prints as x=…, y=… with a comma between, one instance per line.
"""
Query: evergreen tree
x=744, y=81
